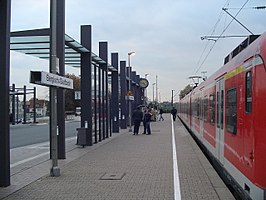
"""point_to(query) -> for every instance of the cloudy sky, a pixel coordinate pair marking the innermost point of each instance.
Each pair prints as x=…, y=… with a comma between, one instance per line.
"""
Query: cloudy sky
x=165, y=34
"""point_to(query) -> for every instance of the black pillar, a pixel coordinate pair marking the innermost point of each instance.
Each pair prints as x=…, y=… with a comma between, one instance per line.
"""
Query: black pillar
x=133, y=78
x=129, y=103
x=34, y=104
x=24, y=105
x=100, y=103
x=103, y=54
x=138, y=93
x=17, y=101
x=123, y=104
x=95, y=105
x=115, y=93
x=86, y=87
x=60, y=53
x=103, y=103
x=13, y=104
x=5, y=11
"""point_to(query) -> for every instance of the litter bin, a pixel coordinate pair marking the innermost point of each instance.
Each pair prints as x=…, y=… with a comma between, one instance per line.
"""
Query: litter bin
x=82, y=137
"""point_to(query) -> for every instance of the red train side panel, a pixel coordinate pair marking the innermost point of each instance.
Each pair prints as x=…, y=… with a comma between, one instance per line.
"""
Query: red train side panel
x=241, y=145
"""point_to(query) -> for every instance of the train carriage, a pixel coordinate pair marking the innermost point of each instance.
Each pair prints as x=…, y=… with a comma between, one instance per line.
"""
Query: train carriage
x=227, y=114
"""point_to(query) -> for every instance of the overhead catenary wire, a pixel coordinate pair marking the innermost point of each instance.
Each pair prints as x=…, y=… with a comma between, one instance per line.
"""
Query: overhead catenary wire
x=254, y=7
x=213, y=45
x=212, y=32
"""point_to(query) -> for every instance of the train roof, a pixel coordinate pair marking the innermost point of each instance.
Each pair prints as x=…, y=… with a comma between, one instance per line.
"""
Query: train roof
x=240, y=47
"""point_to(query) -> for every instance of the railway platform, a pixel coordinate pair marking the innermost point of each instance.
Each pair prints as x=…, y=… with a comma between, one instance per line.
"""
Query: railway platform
x=126, y=167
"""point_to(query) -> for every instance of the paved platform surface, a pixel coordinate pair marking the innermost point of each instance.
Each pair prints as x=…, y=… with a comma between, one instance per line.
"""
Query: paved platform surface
x=125, y=167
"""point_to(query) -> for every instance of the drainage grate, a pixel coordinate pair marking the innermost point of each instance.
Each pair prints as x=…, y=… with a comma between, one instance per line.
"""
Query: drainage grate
x=112, y=176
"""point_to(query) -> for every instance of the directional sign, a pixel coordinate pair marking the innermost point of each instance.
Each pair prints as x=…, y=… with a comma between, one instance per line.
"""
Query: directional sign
x=129, y=98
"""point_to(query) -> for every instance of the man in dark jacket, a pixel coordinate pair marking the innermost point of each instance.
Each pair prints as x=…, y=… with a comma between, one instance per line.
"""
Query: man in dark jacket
x=146, y=121
x=174, y=112
x=137, y=117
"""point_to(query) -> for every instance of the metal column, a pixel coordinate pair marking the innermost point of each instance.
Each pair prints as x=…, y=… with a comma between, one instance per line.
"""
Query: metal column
x=134, y=89
x=86, y=97
x=24, y=105
x=115, y=93
x=55, y=170
x=13, y=104
x=60, y=53
x=129, y=102
x=103, y=54
x=34, y=105
x=5, y=12
x=95, y=105
x=103, y=103
x=123, y=104
x=138, y=92
x=100, y=103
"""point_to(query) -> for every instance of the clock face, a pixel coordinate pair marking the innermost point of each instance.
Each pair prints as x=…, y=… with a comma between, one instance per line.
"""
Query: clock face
x=143, y=83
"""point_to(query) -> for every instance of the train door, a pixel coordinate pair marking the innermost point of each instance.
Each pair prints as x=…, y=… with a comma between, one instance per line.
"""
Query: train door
x=220, y=119
x=201, y=116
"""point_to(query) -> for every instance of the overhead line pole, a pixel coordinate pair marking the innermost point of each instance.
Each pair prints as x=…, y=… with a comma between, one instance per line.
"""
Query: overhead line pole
x=225, y=10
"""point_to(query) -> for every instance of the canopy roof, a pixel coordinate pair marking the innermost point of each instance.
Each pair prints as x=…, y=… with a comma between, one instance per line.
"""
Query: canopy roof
x=37, y=43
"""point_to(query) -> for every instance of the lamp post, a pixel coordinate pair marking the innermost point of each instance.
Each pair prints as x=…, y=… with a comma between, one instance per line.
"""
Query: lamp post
x=55, y=170
x=153, y=92
x=129, y=88
x=132, y=53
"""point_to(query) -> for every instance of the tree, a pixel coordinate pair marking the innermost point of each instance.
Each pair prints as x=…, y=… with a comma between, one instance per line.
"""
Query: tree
x=70, y=102
x=185, y=91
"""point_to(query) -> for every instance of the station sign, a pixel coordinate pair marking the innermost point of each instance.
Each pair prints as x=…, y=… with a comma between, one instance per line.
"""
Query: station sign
x=50, y=79
x=129, y=98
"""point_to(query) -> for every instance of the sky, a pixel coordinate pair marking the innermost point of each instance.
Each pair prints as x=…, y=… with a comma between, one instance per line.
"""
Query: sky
x=165, y=34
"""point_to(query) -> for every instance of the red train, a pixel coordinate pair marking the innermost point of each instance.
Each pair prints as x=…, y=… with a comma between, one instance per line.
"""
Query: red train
x=227, y=114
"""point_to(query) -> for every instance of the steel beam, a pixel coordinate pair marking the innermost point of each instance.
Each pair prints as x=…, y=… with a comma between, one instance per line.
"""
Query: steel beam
x=86, y=86
x=115, y=93
x=103, y=54
x=123, y=104
x=5, y=12
x=60, y=53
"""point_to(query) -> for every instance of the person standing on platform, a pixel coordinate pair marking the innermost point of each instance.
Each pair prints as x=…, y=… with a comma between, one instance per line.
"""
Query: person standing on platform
x=174, y=112
x=147, y=121
x=161, y=115
x=137, y=117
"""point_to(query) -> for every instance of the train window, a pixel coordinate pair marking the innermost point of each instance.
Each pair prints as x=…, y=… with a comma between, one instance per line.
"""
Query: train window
x=205, y=108
x=212, y=109
x=231, y=111
x=194, y=109
x=248, y=92
x=217, y=110
x=198, y=108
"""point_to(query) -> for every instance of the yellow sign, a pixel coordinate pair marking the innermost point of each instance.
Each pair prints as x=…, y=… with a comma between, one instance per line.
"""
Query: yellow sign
x=129, y=93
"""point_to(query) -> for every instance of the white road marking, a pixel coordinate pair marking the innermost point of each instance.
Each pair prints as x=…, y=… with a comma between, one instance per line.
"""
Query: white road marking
x=38, y=146
x=175, y=166
x=28, y=159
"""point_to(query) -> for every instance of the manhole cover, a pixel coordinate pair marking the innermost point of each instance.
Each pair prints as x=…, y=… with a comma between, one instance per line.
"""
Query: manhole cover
x=112, y=176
